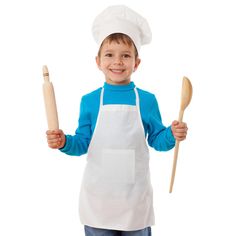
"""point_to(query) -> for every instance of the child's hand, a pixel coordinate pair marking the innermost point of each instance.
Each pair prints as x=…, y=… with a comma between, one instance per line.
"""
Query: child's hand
x=179, y=130
x=56, y=138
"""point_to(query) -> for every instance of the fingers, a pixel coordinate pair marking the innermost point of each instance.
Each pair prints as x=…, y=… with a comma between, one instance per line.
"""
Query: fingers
x=179, y=130
x=175, y=123
x=55, y=139
x=56, y=131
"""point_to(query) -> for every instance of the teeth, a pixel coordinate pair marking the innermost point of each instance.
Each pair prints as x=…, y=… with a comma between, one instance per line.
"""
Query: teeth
x=117, y=71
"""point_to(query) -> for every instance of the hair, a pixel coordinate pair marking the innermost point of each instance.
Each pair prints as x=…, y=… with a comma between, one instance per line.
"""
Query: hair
x=118, y=38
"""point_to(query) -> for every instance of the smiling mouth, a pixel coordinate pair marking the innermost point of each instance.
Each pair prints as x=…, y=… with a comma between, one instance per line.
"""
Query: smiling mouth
x=117, y=71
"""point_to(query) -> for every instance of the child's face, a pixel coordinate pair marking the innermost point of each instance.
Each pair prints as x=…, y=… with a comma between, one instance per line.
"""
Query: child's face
x=117, y=61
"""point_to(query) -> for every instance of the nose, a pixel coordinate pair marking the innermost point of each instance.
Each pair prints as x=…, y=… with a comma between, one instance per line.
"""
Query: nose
x=118, y=60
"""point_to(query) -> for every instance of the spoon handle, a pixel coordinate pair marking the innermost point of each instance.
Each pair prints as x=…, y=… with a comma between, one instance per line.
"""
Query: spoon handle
x=174, y=166
x=181, y=114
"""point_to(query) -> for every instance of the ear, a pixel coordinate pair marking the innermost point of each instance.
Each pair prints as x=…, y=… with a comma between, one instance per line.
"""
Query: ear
x=137, y=62
x=98, y=62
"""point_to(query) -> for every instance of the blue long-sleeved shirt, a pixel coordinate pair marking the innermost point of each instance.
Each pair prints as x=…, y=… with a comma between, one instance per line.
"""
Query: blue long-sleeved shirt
x=158, y=136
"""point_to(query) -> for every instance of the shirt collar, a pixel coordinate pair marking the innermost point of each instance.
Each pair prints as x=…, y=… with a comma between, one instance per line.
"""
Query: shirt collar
x=125, y=87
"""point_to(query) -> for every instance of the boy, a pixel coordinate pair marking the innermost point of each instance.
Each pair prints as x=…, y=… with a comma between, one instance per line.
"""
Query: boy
x=116, y=192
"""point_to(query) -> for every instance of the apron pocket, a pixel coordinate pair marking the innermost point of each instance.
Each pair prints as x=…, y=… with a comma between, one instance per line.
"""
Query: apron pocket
x=118, y=165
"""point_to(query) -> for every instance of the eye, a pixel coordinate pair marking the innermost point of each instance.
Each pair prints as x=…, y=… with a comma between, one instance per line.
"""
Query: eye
x=108, y=55
x=126, y=55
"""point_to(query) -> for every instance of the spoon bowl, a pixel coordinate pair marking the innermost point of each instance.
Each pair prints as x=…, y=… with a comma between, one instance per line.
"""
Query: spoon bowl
x=186, y=94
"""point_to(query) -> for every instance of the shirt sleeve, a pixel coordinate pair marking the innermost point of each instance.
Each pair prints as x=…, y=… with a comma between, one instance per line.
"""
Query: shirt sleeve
x=159, y=136
x=77, y=145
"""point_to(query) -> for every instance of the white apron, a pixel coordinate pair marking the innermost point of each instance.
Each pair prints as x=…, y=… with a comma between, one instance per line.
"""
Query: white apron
x=116, y=191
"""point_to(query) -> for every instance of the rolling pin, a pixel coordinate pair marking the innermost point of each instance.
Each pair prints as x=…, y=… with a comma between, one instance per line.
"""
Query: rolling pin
x=50, y=101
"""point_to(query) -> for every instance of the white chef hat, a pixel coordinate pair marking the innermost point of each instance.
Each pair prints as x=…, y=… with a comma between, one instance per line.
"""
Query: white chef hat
x=121, y=19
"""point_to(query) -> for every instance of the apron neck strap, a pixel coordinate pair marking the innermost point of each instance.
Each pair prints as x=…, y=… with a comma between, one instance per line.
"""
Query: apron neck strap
x=137, y=97
x=101, y=97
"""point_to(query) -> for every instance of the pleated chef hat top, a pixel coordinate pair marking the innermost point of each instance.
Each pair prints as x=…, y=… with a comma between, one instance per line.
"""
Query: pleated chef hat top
x=121, y=19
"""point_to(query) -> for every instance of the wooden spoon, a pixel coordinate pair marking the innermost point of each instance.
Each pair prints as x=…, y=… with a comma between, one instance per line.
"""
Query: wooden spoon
x=186, y=96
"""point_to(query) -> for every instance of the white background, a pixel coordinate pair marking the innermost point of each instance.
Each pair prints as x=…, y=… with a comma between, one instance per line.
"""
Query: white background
x=40, y=187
